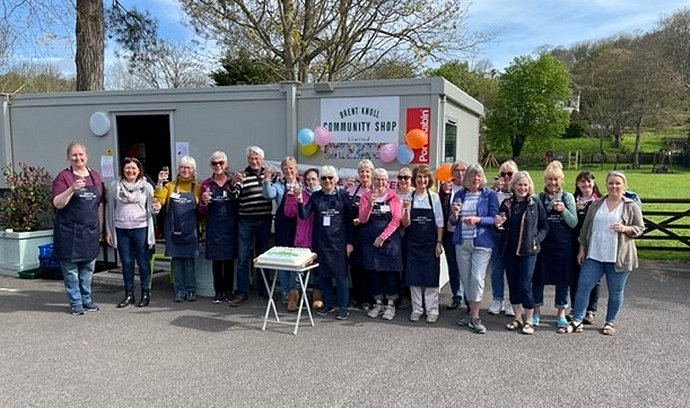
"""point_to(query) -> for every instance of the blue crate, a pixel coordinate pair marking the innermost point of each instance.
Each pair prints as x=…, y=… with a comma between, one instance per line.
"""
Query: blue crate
x=45, y=251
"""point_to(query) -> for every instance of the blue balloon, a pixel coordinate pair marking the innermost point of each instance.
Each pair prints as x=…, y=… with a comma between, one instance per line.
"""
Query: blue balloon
x=404, y=154
x=305, y=136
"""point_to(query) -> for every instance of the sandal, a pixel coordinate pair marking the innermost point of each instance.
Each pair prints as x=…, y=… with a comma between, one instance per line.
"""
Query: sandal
x=608, y=330
x=514, y=325
x=527, y=329
x=572, y=327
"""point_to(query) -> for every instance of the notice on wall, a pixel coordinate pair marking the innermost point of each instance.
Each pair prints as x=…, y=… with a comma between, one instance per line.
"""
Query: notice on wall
x=107, y=167
x=181, y=150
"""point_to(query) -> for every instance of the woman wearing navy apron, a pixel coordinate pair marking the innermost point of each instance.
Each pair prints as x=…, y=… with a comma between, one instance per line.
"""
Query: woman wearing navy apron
x=555, y=260
x=423, y=242
x=379, y=215
x=77, y=197
x=181, y=225
x=221, y=225
x=361, y=292
x=332, y=237
x=285, y=227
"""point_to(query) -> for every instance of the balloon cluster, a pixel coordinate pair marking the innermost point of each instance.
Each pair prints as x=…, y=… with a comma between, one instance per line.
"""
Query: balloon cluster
x=414, y=139
x=310, y=140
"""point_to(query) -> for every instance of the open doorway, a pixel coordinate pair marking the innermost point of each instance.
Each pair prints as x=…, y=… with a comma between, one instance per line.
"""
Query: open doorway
x=146, y=137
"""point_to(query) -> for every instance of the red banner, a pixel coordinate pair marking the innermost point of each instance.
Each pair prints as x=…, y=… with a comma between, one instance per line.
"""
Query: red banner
x=420, y=118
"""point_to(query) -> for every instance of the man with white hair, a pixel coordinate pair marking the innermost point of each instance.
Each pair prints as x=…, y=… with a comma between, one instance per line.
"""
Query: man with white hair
x=254, y=220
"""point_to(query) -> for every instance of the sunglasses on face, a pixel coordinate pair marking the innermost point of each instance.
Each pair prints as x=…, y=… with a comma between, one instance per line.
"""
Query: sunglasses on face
x=404, y=177
x=506, y=174
x=324, y=178
x=217, y=163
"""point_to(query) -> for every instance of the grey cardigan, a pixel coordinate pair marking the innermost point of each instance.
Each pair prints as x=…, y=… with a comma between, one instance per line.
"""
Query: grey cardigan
x=626, y=253
x=110, y=213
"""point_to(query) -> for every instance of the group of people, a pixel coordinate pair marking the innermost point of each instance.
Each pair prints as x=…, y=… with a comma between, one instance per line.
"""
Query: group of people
x=378, y=247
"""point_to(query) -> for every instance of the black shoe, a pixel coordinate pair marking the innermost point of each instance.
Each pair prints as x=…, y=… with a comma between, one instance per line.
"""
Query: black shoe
x=456, y=304
x=127, y=300
x=145, y=298
x=219, y=297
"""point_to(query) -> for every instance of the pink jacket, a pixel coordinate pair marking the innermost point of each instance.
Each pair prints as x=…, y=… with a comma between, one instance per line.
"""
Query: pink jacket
x=304, y=226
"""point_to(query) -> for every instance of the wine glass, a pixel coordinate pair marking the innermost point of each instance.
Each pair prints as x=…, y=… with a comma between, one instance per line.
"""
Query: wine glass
x=502, y=215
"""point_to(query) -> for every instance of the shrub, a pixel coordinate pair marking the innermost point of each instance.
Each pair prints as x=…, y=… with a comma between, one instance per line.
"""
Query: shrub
x=26, y=205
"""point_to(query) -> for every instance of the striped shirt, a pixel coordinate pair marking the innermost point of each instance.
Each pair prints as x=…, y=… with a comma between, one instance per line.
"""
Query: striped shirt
x=252, y=203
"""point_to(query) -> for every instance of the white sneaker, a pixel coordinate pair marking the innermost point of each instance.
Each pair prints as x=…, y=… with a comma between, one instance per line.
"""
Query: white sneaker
x=375, y=311
x=509, y=310
x=389, y=312
x=415, y=316
x=496, y=307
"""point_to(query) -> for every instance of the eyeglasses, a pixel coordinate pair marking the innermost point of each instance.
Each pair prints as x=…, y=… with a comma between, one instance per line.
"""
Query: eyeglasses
x=217, y=163
x=506, y=174
x=459, y=170
x=324, y=178
x=404, y=177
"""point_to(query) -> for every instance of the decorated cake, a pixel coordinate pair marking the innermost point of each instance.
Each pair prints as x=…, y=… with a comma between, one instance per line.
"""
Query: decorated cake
x=286, y=256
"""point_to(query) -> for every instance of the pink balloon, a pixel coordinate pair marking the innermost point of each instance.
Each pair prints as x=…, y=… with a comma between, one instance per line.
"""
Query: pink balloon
x=387, y=152
x=322, y=136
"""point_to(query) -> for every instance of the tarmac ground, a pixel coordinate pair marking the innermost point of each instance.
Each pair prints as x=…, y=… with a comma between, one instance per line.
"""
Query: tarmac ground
x=201, y=354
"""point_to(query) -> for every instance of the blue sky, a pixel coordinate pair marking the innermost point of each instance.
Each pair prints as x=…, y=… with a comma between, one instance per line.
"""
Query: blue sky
x=523, y=26
x=527, y=25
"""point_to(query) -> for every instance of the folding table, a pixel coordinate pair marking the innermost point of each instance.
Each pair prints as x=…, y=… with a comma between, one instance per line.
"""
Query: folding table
x=270, y=288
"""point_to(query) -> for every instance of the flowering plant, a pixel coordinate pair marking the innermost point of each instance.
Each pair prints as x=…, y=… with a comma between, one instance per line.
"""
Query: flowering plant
x=25, y=206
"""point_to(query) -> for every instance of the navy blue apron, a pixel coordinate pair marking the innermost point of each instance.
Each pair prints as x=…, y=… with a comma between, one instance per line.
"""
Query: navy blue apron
x=181, y=239
x=329, y=236
x=422, y=267
x=388, y=257
x=221, y=225
x=285, y=228
x=555, y=260
x=76, y=235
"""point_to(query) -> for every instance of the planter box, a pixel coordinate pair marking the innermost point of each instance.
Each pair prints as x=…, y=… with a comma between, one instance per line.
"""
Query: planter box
x=19, y=250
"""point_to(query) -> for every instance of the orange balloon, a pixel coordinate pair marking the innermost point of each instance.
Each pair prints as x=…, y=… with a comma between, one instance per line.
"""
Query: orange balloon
x=416, y=138
x=443, y=172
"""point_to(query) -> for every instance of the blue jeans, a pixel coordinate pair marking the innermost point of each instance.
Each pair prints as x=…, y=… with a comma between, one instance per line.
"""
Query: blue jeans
x=519, y=271
x=256, y=234
x=453, y=271
x=288, y=281
x=560, y=300
x=383, y=283
x=590, y=274
x=77, y=277
x=593, y=304
x=497, y=272
x=132, y=244
x=342, y=286
x=184, y=273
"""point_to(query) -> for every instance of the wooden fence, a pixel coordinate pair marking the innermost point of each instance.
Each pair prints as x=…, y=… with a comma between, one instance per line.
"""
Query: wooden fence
x=666, y=227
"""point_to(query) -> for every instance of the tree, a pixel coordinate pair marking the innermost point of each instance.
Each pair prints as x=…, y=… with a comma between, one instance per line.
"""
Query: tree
x=242, y=69
x=34, y=78
x=334, y=39
x=530, y=105
x=481, y=86
x=90, y=55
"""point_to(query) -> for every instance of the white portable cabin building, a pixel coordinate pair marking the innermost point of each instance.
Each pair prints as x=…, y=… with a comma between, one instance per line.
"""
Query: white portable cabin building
x=159, y=126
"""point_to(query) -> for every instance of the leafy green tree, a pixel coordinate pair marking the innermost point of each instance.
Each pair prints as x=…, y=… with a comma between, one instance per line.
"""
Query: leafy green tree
x=35, y=78
x=530, y=105
x=479, y=85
